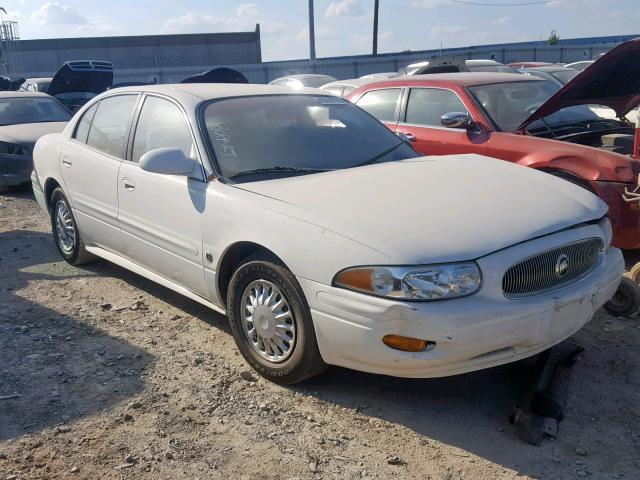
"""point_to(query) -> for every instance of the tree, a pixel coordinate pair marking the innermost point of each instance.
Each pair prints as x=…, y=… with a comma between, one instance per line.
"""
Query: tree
x=553, y=38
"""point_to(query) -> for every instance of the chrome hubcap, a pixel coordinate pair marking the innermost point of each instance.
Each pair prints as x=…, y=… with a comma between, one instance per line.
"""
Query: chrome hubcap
x=268, y=321
x=64, y=227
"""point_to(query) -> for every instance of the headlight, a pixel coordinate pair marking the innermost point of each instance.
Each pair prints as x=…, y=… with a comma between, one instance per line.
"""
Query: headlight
x=427, y=283
x=8, y=148
x=607, y=231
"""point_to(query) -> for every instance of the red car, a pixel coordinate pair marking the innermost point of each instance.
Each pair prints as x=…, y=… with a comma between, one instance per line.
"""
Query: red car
x=529, y=121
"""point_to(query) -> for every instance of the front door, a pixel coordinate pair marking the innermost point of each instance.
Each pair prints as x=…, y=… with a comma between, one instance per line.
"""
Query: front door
x=421, y=123
x=161, y=215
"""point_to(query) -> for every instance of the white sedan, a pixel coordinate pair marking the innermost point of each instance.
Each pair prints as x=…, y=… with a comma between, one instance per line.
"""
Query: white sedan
x=324, y=237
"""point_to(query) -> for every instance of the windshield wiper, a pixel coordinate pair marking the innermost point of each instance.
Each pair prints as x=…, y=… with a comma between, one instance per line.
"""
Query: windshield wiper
x=379, y=156
x=280, y=169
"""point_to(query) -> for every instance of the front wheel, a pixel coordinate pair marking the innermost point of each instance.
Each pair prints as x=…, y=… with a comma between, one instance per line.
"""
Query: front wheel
x=271, y=322
x=65, y=230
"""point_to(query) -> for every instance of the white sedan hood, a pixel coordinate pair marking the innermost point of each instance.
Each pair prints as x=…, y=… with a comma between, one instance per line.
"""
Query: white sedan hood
x=434, y=209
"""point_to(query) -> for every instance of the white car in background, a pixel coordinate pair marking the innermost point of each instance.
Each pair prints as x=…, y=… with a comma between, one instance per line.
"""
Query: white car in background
x=324, y=237
x=342, y=88
x=302, y=80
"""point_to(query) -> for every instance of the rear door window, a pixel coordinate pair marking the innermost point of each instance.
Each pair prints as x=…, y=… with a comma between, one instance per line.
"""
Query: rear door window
x=110, y=125
x=382, y=104
x=427, y=105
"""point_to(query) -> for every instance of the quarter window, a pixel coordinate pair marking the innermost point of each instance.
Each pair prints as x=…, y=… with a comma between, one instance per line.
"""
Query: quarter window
x=108, y=132
x=82, y=130
x=381, y=103
x=427, y=105
x=161, y=124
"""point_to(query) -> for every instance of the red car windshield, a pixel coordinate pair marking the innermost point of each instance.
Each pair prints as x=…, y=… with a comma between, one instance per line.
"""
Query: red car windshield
x=511, y=103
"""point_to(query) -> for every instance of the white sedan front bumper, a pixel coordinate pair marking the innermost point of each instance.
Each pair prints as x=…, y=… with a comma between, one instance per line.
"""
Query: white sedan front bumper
x=471, y=333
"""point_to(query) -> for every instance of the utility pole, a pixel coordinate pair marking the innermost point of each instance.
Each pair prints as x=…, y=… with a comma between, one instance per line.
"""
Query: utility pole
x=376, y=5
x=312, y=33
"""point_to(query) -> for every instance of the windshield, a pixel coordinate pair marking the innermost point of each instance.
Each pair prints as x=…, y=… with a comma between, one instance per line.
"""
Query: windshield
x=43, y=86
x=26, y=109
x=282, y=135
x=511, y=103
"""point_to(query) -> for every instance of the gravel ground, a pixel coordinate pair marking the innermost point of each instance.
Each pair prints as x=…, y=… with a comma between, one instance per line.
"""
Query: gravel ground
x=116, y=377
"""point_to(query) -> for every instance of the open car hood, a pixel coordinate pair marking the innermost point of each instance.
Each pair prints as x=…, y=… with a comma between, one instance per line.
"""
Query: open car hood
x=93, y=76
x=613, y=81
x=218, y=75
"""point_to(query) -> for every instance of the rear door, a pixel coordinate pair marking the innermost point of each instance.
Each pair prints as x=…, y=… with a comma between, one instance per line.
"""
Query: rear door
x=89, y=164
x=161, y=215
x=384, y=104
x=420, y=121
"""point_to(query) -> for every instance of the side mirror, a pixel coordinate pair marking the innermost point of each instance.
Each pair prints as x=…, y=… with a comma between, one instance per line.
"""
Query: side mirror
x=167, y=161
x=458, y=120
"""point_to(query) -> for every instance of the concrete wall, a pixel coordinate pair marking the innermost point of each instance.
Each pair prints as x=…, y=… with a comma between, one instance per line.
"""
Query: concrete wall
x=147, y=55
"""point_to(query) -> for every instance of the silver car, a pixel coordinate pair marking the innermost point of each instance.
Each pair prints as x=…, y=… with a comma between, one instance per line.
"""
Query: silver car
x=25, y=117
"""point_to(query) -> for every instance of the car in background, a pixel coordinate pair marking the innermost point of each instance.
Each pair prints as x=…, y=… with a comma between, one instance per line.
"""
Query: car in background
x=554, y=73
x=342, y=88
x=36, y=84
x=529, y=121
x=582, y=65
x=303, y=80
x=521, y=65
x=380, y=75
x=25, y=117
x=324, y=237
x=455, y=64
x=75, y=83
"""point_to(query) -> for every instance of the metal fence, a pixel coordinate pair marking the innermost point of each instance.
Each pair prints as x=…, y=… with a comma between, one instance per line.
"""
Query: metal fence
x=356, y=66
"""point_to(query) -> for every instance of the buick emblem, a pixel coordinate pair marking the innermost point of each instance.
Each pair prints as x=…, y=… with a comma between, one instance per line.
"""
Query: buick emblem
x=562, y=266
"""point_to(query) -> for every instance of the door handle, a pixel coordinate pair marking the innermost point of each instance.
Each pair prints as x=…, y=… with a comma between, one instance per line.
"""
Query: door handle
x=128, y=184
x=66, y=162
x=409, y=136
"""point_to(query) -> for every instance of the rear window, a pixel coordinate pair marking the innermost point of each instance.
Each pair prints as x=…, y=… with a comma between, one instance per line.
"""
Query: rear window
x=309, y=132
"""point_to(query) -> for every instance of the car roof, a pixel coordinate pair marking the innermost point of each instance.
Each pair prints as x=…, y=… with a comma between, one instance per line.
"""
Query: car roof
x=479, y=62
x=211, y=91
x=38, y=79
x=22, y=94
x=463, y=79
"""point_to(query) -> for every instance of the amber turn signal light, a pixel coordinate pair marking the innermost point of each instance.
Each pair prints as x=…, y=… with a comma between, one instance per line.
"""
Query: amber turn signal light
x=406, y=344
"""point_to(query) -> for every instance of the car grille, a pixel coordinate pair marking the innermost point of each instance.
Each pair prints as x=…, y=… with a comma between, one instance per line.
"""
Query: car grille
x=553, y=269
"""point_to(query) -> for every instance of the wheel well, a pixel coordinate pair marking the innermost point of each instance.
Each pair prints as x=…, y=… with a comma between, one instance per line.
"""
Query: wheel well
x=233, y=257
x=570, y=177
x=49, y=186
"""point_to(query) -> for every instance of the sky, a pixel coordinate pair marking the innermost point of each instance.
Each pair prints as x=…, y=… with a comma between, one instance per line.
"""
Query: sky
x=343, y=27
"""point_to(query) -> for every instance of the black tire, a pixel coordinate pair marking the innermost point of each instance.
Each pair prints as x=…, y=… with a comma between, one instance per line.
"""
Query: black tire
x=626, y=300
x=304, y=361
x=77, y=254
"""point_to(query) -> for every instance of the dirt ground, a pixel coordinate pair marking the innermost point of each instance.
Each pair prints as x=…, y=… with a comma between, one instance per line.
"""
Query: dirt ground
x=115, y=377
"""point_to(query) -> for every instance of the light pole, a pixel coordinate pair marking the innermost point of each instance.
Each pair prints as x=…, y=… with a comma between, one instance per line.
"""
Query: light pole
x=376, y=5
x=312, y=34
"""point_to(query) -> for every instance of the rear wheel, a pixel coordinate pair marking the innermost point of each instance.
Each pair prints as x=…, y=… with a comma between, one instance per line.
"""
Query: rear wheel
x=65, y=230
x=271, y=322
